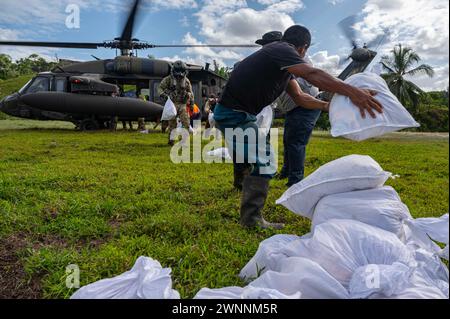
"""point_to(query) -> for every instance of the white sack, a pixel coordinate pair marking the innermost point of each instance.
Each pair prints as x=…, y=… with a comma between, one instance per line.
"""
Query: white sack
x=146, y=280
x=436, y=228
x=420, y=231
x=243, y=293
x=267, y=257
x=301, y=275
x=348, y=173
x=264, y=119
x=221, y=153
x=383, y=281
x=379, y=207
x=211, y=120
x=169, y=111
x=346, y=120
x=421, y=287
x=341, y=246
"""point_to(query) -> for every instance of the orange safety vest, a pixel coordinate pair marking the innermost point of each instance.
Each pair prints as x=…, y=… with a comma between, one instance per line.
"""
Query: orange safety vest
x=196, y=110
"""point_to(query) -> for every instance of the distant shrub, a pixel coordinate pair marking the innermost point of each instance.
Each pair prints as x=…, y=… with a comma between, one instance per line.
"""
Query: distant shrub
x=323, y=123
x=433, y=120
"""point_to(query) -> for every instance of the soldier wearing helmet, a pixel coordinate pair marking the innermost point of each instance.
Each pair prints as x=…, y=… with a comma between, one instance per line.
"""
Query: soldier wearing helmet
x=178, y=87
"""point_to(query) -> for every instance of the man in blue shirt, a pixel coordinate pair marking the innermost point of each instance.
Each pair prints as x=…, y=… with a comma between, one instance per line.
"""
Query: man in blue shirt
x=259, y=80
x=299, y=123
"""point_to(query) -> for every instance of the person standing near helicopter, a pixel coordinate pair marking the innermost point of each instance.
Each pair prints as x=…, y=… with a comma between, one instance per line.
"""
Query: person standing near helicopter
x=178, y=88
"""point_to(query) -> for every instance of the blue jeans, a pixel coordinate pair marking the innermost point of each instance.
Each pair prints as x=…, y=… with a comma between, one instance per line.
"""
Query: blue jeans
x=254, y=154
x=298, y=127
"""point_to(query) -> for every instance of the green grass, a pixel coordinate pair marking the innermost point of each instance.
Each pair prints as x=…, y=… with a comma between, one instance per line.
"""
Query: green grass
x=100, y=200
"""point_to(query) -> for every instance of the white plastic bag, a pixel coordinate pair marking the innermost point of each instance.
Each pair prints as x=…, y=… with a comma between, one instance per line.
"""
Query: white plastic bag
x=380, y=280
x=420, y=231
x=264, y=119
x=379, y=207
x=211, y=120
x=169, y=111
x=341, y=246
x=221, y=153
x=304, y=276
x=267, y=257
x=420, y=286
x=243, y=293
x=346, y=120
x=349, y=173
x=146, y=280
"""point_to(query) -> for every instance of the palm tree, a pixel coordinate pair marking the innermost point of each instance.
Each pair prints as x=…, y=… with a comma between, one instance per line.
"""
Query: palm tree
x=399, y=65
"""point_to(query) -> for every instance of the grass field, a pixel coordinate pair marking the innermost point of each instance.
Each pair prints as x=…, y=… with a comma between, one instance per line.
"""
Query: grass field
x=100, y=200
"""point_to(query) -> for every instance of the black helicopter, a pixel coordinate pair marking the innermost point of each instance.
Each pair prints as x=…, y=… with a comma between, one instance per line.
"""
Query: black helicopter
x=361, y=56
x=85, y=93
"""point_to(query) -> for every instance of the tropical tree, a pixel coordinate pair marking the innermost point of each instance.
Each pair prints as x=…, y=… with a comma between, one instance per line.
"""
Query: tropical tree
x=7, y=67
x=222, y=71
x=400, y=64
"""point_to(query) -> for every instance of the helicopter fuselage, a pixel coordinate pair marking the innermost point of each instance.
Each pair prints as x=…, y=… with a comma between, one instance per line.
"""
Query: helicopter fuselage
x=97, y=90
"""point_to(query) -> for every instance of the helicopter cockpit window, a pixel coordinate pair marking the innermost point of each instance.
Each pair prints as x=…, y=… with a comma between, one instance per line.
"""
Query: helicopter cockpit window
x=23, y=89
x=40, y=84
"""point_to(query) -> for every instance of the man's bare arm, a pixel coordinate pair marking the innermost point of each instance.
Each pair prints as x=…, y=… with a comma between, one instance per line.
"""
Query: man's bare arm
x=363, y=99
x=303, y=99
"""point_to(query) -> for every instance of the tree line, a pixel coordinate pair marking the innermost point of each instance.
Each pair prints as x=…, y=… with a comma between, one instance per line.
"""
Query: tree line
x=32, y=64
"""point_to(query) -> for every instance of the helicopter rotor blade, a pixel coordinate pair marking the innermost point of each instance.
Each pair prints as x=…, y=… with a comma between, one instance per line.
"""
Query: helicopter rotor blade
x=379, y=40
x=204, y=46
x=343, y=60
x=346, y=26
x=127, y=33
x=73, y=45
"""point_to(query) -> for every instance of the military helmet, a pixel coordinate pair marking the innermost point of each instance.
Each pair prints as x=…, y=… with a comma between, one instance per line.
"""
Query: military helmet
x=179, y=69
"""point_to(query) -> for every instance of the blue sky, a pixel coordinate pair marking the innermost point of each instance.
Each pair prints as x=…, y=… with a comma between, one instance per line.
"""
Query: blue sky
x=233, y=21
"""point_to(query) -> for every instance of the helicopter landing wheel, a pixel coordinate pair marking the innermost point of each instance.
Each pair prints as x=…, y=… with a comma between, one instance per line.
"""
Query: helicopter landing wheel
x=89, y=125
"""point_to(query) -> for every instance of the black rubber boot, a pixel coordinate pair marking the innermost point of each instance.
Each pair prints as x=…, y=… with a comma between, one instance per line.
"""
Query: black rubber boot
x=254, y=194
x=239, y=175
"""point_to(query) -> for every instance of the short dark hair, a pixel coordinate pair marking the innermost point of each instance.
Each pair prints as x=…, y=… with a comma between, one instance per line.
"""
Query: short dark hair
x=298, y=36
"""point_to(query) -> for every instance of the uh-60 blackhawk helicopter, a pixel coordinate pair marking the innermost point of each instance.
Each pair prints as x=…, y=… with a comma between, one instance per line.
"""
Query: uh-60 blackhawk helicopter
x=85, y=93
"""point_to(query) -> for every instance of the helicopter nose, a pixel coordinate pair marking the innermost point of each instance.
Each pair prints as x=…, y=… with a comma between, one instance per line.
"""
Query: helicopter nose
x=2, y=105
x=9, y=104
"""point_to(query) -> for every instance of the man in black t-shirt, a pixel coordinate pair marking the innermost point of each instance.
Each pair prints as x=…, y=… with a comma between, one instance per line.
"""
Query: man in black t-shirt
x=255, y=83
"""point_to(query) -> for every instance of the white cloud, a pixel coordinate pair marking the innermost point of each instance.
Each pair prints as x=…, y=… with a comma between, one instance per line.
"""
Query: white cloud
x=22, y=52
x=234, y=22
x=173, y=4
x=439, y=82
x=329, y=63
x=421, y=24
x=335, y=2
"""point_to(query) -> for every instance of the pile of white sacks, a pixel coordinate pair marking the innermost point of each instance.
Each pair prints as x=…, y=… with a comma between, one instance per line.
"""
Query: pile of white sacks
x=364, y=243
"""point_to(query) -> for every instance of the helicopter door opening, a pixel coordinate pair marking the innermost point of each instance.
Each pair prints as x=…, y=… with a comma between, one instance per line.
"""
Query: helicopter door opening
x=60, y=85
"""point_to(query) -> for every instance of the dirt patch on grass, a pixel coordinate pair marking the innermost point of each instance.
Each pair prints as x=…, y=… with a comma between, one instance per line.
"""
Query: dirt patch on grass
x=14, y=282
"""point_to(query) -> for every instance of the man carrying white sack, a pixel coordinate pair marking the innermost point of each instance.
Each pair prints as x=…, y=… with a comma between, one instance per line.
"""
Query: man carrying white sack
x=257, y=81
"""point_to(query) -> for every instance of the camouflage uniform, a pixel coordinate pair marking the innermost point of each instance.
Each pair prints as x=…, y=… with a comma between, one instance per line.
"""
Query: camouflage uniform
x=180, y=92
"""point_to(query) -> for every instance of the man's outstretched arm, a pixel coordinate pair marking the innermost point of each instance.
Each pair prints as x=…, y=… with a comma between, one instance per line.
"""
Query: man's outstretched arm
x=304, y=100
x=363, y=99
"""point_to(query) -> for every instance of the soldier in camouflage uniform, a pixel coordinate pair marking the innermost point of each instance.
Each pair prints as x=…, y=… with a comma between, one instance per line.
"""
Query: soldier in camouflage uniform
x=178, y=87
